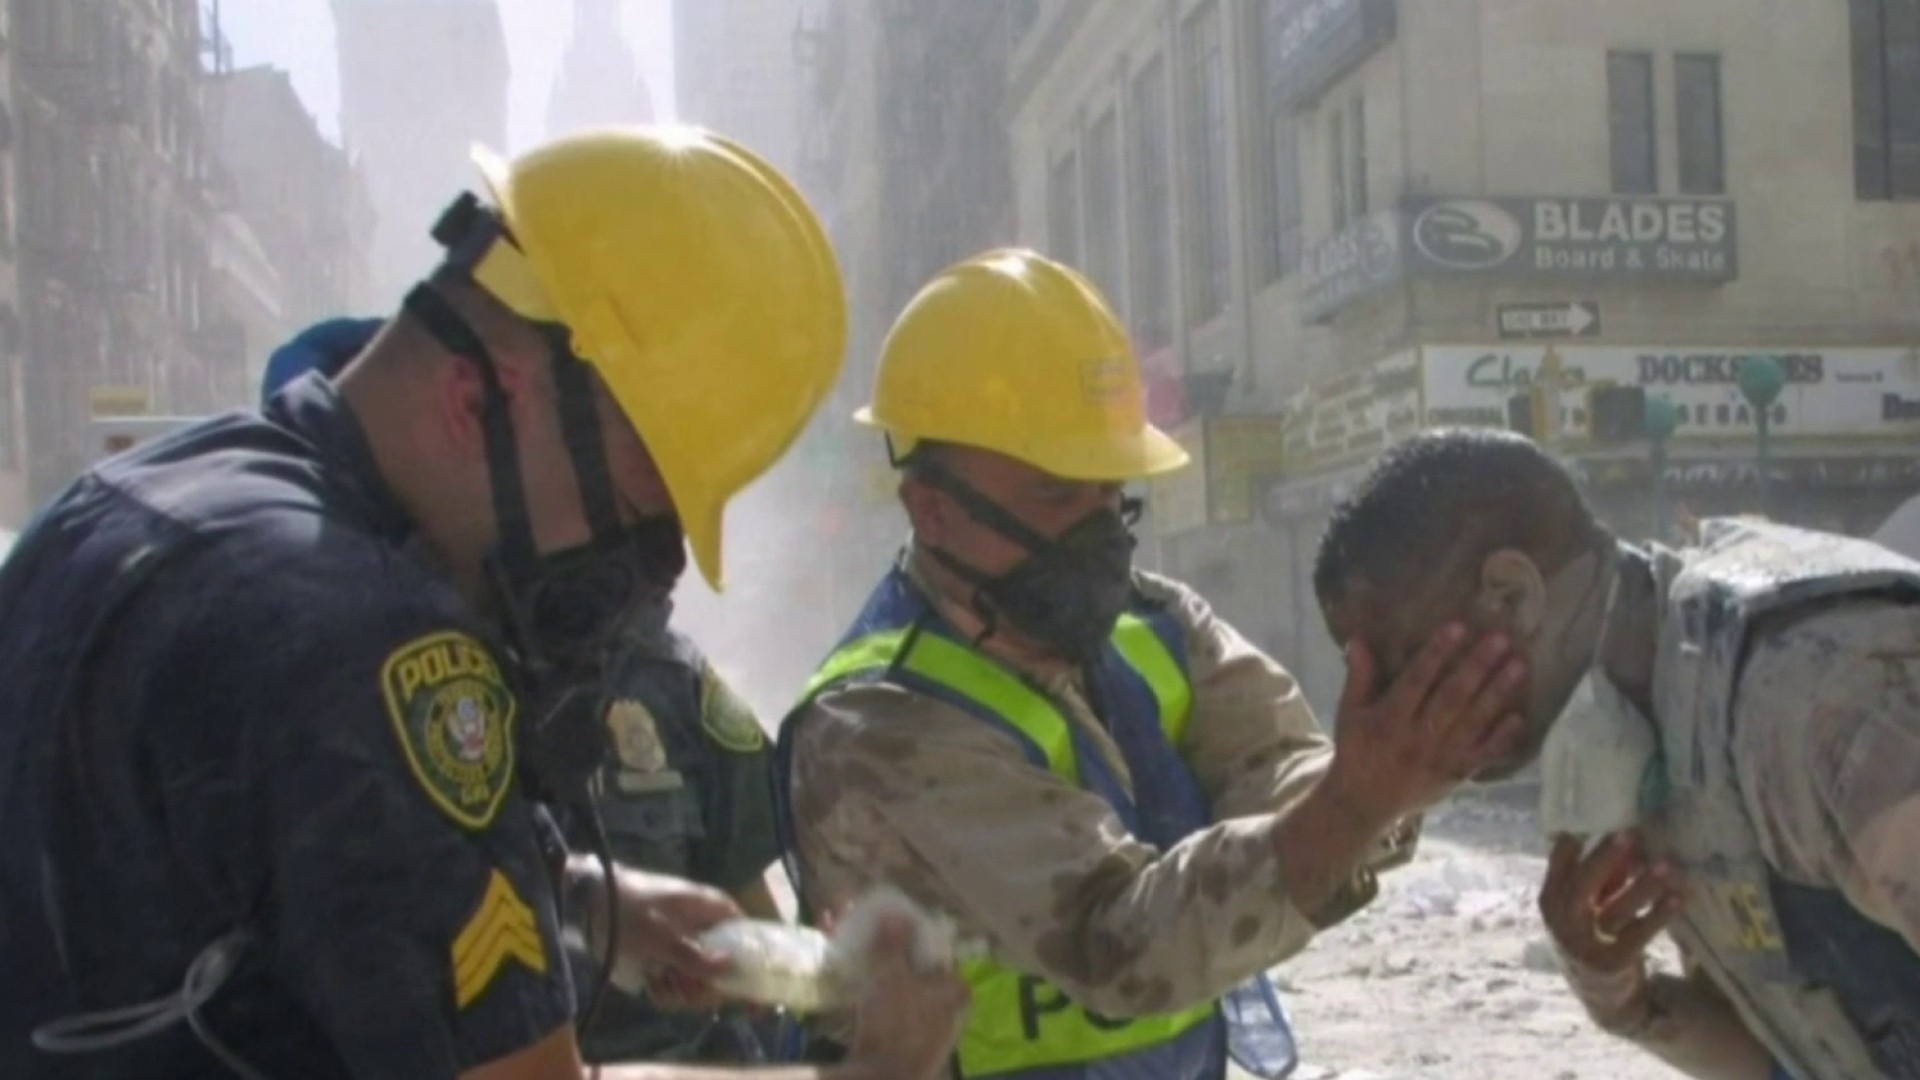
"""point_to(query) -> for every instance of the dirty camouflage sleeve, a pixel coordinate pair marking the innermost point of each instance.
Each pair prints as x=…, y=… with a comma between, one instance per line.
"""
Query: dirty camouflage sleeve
x=407, y=906
x=894, y=787
x=1828, y=751
x=1253, y=743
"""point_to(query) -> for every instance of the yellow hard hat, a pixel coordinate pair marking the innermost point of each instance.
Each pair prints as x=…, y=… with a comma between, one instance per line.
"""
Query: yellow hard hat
x=1015, y=353
x=696, y=281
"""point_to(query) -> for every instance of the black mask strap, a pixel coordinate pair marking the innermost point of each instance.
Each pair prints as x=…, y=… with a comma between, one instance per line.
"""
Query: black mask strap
x=982, y=509
x=450, y=329
x=998, y=518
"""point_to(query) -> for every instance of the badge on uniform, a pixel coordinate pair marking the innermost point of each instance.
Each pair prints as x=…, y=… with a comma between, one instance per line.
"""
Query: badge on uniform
x=728, y=720
x=454, y=715
x=636, y=743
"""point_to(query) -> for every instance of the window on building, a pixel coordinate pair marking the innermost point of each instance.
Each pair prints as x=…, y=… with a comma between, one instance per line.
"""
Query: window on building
x=1886, y=98
x=1063, y=209
x=1357, y=206
x=1150, y=190
x=9, y=431
x=1283, y=195
x=32, y=25
x=1337, y=167
x=8, y=209
x=1279, y=155
x=1696, y=90
x=1104, y=219
x=1209, y=277
x=1630, y=123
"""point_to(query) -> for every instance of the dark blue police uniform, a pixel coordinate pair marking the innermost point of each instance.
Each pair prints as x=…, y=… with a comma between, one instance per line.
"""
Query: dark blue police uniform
x=685, y=790
x=238, y=705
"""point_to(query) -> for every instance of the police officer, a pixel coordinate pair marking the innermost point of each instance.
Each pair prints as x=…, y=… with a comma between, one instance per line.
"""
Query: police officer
x=683, y=790
x=274, y=683
x=1770, y=820
x=1082, y=764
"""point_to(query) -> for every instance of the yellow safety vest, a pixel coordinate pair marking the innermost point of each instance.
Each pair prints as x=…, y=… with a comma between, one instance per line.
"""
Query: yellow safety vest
x=1021, y=1021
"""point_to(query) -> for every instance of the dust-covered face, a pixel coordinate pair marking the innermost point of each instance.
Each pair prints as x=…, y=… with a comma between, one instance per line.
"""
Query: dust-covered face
x=1555, y=620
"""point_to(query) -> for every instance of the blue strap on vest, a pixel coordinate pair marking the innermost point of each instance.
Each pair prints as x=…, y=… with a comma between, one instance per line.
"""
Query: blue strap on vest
x=1871, y=969
x=1166, y=807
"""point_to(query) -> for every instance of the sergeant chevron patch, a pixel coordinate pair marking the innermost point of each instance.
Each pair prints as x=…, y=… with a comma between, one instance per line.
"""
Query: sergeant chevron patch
x=502, y=929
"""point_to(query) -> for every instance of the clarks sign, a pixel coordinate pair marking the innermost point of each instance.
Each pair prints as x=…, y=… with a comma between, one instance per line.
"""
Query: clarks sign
x=1685, y=239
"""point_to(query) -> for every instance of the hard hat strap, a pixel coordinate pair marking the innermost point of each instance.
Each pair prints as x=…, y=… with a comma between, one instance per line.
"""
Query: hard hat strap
x=517, y=550
x=580, y=427
x=478, y=244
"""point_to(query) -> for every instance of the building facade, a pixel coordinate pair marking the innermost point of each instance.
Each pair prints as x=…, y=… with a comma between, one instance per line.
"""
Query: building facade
x=299, y=196
x=250, y=291
x=421, y=81
x=890, y=122
x=734, y=72
x=904, y=150
x=599, y=82
x=116, y=196
x=1382, y=216
x=15, y=497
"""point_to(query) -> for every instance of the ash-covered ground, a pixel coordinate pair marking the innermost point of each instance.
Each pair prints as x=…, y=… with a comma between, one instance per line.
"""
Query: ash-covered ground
x=1449, y=975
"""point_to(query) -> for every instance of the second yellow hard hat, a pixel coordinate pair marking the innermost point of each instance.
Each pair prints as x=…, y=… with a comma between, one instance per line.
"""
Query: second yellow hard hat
x=1013, y=352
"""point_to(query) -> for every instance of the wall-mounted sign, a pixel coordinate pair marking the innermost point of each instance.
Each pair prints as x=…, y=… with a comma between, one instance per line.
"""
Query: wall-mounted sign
x=1356, y=415
x=1360, y=260
x=1830, y=393
x=1610, y=240
x=1241, y=450
x=1589, y=238
x=118, y=401
x=1718, y=474
x=1310, y=44
x=1581, y=318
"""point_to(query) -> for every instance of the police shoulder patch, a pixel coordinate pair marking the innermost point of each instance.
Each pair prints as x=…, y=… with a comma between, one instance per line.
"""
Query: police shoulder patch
x=727, y=718
x=454, y=715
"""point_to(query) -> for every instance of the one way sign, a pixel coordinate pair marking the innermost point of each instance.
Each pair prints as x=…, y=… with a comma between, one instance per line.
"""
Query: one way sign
x=1580, y=318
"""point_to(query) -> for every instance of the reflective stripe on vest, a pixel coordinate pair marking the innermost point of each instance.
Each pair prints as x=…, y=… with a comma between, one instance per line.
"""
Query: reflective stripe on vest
x=1021, y=1022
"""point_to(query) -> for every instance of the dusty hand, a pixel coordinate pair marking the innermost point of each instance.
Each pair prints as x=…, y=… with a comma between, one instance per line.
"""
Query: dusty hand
x=661, y=919
x=908, y=1020
x=1399, y=752
x=1603, y=911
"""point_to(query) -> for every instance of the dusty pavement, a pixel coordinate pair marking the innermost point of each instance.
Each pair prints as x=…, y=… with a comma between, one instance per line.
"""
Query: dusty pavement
x=1448, y=976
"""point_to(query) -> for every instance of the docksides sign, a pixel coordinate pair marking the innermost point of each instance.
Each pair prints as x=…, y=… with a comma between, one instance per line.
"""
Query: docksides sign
x=1830, y=393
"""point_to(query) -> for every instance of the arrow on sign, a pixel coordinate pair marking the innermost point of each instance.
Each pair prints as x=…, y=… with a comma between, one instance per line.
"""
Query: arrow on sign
x=1577, y=319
